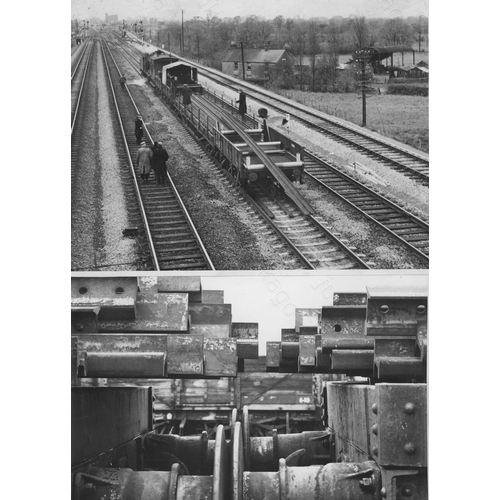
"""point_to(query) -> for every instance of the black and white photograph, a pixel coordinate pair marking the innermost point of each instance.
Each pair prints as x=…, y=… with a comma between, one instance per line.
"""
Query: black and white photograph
x=250, y=250
x=219, y=135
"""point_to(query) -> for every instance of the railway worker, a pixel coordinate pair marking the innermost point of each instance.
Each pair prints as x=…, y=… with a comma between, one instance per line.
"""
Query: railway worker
x=159, y=161
x=122, y=81
x=186, y=95
x=144, y=156
x=138, y=129
x=242, y=107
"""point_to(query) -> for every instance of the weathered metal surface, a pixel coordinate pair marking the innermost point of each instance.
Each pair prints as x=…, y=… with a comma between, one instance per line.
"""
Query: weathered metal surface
x=96, y=483
x=290, y=349
x=212, y=296
x=245, y=331
x=349, y=299
x=181, y=284
x=148, y=284
x=352, y=361
x=329, y=343
x=220, y=357
x=308, y=330
x=247, y=349
x=272, y=356
x=307, y=317
x=84, y=319
x=105, y=417
x=156, y=312
x=122, y=342
x=215, y=331
x=116, y=297
x=289, y=335
x=125, y=364
x=401, y=438
x=307, y=350
x=185, y=355
x=351, y=420
x=343, y=321
x=74, y=359
x=398, y=358
x=395, y=312
x=210, y=314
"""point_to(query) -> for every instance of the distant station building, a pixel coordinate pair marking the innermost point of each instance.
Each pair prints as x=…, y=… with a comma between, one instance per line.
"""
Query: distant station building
x=111, y=18
x=259, y=63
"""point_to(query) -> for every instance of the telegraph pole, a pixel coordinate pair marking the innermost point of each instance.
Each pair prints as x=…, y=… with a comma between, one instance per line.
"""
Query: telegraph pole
x=362, y=57
x=242, y=60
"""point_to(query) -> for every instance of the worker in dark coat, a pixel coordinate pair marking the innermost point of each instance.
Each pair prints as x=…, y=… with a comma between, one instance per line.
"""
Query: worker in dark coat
x=186, y=95
x=138, y=129
x=242, y=107
x=159, y=161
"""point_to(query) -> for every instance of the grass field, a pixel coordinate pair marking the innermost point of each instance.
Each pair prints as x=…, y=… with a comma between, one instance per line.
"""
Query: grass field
x=404, y=118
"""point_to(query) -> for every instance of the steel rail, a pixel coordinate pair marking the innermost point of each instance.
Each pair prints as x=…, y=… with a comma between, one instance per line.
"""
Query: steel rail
x=131, y=163
x=74, y=69
x=88, y=51
x=201, y=247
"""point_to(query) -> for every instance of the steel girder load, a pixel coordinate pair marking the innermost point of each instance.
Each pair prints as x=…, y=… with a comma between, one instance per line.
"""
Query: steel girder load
x=155, y=327
x=381, y=334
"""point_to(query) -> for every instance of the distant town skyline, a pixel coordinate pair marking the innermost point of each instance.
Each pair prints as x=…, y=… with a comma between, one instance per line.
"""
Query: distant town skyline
x=171, y=9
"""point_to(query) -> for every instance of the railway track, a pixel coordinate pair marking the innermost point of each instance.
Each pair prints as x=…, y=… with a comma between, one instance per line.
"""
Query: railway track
x=78, y=75
x=314, y=245
x=174, y=242
x=410, y=164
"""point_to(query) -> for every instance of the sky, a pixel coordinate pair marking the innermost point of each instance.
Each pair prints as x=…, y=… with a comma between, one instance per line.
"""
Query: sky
x=270, y=298
x=168, y=9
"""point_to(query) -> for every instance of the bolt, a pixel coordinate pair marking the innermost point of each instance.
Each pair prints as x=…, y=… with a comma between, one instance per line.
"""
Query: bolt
x=78, y=327
x=409, y=408
x=375, y=408
x=383, y=492
x=409, y=448
x=407, y=491
x=375, y=450
x=375, y=429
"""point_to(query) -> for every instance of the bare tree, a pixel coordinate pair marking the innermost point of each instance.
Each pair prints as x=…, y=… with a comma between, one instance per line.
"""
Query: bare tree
x=396, y=32
x=279, y=22
x=313, y=48
x=360, y=31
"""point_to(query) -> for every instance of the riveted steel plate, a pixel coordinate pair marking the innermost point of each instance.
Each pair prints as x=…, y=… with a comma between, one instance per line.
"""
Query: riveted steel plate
x=212, y=296
x=185, y=355
x=402, y=424
x=307, y=317
x=221, y=359
x=156, y=312
x=210, y=314
x=125, y=364
x=116, y=297
x=395, y=312
x=245, y=330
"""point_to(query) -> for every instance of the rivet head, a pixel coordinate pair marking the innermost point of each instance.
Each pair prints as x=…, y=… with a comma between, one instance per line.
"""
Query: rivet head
x=409, y=408
x=375, y=429
x=407, y=491
x=383, y=492
x=375, y=408
x=409, y=448
x=78, y=327
x=375, y=450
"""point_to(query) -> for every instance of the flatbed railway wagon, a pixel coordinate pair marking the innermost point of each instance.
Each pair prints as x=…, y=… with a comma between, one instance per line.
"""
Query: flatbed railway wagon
x=283, y=401
x=244, y=164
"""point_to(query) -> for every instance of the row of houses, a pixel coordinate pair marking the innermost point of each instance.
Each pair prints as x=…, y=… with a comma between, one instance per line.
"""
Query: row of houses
x=258, y=64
